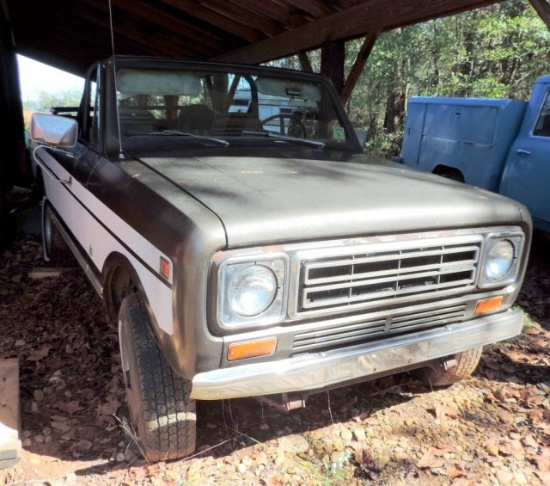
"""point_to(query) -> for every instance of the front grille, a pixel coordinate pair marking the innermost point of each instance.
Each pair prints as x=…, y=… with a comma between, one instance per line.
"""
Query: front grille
x=386, y=274
x=334, y=334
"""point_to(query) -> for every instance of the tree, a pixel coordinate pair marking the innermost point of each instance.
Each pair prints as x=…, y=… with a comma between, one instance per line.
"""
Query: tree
x=497, y=51
x=46, y=100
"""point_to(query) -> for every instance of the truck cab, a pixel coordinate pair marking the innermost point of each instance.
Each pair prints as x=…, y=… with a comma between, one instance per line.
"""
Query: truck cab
x=526, y=174
x=249, y=254
x=499, y=145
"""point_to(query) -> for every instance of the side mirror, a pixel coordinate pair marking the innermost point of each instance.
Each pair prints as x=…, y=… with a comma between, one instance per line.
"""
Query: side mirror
x=58, y=131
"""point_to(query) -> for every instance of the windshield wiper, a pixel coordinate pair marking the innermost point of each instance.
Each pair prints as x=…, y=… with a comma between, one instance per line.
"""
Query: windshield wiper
x=286, y=138
x=177, y=133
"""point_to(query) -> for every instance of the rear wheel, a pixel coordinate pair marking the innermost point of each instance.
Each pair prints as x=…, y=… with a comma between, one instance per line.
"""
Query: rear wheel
x=158, y=401
x=457, y=368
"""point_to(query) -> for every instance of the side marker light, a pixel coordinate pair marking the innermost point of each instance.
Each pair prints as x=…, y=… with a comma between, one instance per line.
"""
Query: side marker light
x=489, y=305
x=251, y=349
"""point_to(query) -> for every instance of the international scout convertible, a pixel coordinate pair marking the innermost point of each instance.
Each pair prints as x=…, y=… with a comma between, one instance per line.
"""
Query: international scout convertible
x=247, y=247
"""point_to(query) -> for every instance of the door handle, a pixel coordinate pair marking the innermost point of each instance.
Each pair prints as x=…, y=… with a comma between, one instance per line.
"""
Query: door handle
x=522, y=152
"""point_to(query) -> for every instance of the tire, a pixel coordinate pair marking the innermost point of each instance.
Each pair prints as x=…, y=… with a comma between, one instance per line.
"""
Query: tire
x=56, y=251
x=451, y=174
x=440, y=375
x=159, y=406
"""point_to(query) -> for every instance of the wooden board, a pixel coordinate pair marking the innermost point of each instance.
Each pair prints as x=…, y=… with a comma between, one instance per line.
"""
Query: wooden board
x=10, y=445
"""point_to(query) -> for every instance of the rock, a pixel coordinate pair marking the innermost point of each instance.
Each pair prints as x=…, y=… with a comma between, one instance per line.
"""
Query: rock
x=520, y=479
x=338, y=444
x=346, y=435
x=241, y=468
x=359, y=434
x=247, y=461
x=504, y=477
x=279, y=460
x=294, y=444
x=401, y=456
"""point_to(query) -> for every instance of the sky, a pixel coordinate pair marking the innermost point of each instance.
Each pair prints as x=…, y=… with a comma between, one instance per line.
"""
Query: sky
x=35, y=77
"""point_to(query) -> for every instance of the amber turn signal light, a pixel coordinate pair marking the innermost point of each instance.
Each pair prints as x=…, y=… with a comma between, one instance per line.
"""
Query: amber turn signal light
x=164, y=268
x=489, y=305
x=251, y=349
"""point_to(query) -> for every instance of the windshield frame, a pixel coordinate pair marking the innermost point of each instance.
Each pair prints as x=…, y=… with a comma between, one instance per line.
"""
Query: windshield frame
x=347, y=139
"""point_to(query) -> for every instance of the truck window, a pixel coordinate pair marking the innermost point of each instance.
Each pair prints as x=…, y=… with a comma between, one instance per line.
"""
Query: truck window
x=542, y=127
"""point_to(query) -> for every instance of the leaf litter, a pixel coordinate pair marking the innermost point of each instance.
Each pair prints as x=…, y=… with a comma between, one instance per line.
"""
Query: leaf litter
x=493, y=428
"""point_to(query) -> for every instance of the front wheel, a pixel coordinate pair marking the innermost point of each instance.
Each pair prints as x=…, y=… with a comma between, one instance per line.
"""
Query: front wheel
x=56, y=251
x=457, y=368
x=158, y=400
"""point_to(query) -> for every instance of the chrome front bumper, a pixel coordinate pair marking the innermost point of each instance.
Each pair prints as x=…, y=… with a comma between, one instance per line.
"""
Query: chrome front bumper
x=315, y=371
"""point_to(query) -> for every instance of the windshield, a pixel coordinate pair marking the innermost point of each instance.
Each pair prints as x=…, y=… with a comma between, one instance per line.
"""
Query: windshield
x=202, y=106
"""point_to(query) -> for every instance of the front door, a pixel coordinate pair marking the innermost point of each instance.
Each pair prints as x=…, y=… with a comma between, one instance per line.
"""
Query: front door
x=526, y=176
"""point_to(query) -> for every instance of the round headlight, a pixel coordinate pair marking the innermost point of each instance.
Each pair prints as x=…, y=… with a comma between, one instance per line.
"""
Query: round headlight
x=252, y=290
x=499, y=260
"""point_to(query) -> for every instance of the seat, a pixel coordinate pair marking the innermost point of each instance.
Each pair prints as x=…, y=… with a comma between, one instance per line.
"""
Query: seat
x=235, y=124
x=196, y=119
x=136, y=120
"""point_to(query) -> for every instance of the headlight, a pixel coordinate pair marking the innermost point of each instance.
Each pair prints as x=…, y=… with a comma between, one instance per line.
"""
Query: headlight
x=252, y=290
x=499, y=260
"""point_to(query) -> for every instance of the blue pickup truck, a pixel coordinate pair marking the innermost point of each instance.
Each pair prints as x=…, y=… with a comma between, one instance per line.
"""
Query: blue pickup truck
x=499, y=145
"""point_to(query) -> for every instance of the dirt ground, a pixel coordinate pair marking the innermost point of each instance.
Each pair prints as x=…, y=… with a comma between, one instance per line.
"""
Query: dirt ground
x=493, y=428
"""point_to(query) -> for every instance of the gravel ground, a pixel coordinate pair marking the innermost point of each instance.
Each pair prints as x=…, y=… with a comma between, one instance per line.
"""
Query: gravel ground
x=493, y=428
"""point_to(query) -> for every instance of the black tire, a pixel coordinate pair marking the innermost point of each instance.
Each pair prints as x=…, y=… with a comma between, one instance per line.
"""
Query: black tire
x=56, y=251
x=466, y=363
x=448, y=173
x=159, y=406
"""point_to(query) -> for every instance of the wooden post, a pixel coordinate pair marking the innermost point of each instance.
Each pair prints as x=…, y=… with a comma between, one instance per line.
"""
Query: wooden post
x=12, y=149
x=333, y=56
x=10, y=444
x=543, y=9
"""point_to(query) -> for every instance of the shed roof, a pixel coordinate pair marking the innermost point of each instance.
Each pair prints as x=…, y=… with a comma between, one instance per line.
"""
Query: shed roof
x=72, y=34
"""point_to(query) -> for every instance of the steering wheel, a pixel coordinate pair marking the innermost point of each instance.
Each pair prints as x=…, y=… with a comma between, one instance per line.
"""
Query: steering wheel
x=295, y=128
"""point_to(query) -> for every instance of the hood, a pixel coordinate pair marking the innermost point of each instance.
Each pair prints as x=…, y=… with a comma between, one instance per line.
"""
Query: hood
x=273, y=200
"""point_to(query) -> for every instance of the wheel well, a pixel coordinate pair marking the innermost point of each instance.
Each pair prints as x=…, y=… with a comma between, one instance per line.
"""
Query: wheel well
x=119, y=283
x=449, y=173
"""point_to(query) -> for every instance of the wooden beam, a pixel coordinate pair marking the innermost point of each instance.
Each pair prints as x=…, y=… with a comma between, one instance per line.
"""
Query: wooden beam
x=333, y=57
x=358, y=66
x=543, y=9
x=238, y=29
x=347, y=24
x=305, y=63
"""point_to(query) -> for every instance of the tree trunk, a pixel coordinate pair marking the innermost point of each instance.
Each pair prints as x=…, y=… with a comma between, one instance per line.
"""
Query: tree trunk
x=395, y=111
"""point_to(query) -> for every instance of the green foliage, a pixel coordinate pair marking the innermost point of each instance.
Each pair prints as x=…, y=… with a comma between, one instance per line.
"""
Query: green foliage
x=335, y=469
x=46, y=100
x=495, y=52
